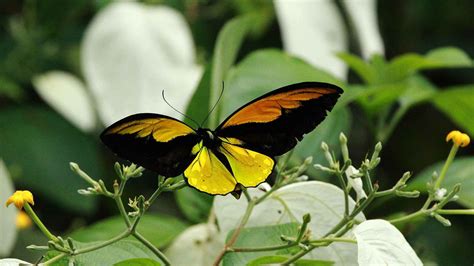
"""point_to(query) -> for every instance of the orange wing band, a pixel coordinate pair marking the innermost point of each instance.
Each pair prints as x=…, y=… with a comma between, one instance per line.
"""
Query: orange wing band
x=270, y=108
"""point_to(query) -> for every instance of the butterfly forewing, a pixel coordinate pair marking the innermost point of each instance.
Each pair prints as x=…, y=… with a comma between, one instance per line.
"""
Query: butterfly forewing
x=156, y=142
x=273, y=123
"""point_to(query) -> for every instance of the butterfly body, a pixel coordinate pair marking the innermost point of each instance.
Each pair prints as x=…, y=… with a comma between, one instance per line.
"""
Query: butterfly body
x=239, y=152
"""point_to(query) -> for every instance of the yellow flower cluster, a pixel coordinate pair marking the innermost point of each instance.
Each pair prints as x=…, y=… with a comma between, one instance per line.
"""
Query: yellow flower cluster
x=459, y=139
x=19, y=198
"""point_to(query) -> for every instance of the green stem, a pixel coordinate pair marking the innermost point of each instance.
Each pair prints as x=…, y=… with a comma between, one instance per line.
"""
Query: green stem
x=456, y=212
x=247, y=195
x=261, y=249
x=154, y=195
x=268, y=193
x=385, y=133
x=337, y=239
x=103, y=244
x=336, y=229
x=228, y=246
x=346, y=194
x=316, y=244
x=54, y=259
x=40, y=224
x=368, y=181
x=149, y=245
x=123, y=212
x=410, y=216
x=427, y=203
x=449, y=160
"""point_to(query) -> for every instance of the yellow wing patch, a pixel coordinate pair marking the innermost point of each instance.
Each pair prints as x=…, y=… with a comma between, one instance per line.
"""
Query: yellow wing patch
x=208, y=174
x=249, y=168
x=162, y=129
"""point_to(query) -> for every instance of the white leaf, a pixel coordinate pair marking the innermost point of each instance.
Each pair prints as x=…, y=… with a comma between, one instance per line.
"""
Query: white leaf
x=8, y=231
x=131, y=52
x=198, y=245
x=314, y=31
x=325, y=203
x=13, y=262
x=363, y=14
x=68, y=96
x=380, y=243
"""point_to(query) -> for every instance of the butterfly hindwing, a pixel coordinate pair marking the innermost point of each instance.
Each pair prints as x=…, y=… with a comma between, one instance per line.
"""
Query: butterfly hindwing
x=219, y=171
x=156, y=142
x=273, y=123
x=209, y=174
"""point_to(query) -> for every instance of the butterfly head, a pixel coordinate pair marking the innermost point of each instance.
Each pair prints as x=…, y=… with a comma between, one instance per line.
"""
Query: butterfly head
x=208, y=137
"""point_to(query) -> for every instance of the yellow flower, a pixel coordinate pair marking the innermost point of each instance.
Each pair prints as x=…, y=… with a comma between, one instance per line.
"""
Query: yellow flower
x=459, y=139
x=23, y=220
x=20, y=197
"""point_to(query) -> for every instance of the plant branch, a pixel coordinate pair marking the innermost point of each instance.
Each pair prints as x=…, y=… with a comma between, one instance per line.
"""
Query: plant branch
x=336, y=230
x=54, y=259
x=387, y=131
x=39, y=223
x=456, y=212
x=344, y=189
x=102, y=244
x=228, y=246
x=150, y=246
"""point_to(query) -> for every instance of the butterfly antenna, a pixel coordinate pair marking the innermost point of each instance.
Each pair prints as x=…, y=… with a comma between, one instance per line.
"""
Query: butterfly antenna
x=164, y=98
x=215, y=105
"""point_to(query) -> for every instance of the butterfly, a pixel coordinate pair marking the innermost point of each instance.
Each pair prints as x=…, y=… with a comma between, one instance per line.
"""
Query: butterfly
x=239, y=152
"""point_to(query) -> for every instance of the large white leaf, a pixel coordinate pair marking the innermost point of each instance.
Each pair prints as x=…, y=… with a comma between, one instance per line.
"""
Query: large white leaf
x=363, y=14
x=68, y=96
x=325, y=203
x=198, y=245
x=8, y=230
x=131, y=52
x=13, y=262
x=314, y=31
x=380, y=243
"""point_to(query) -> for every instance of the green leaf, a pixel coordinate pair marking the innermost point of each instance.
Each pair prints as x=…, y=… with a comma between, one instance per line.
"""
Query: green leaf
x=378, y=71
x=359, y=66
x=198, y=106
x=8, y=229
x=138, y=262
x=266, y=70
x=227, y=47
x=160, y=230
x=403, y=66
x=419, y=89
x=108, y=255
x=39, y=145
x=449, y=57
x=258, y=237
x=457, y=104
x=10, y=89
x=460, y=171
x=193, y=204
x=381, y=96
x=276, y=260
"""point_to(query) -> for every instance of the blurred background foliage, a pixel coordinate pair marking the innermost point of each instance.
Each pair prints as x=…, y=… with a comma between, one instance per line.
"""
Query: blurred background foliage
x=37, y=143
